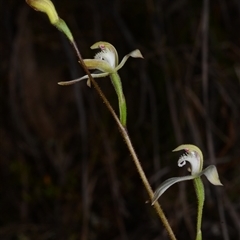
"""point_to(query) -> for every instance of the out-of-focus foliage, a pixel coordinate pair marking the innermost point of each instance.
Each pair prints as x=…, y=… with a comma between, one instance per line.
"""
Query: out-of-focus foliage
x=65, y=172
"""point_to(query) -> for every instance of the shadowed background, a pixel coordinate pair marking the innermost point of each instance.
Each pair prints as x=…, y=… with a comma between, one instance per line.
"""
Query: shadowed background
x=65, y=172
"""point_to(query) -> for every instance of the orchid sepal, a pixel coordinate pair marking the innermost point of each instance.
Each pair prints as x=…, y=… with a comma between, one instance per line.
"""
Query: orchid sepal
x=167, y=184
x=210, y=172
x=134, y=54
x=97, y=75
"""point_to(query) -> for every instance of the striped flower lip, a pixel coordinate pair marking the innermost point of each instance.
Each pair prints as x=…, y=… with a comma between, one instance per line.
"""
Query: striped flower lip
x=194, y=156
x=108, y=56
x=105, y=61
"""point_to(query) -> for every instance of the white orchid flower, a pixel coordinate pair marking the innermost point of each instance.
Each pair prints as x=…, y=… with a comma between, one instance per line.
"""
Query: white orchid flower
x=194, y=156
x=106, y=61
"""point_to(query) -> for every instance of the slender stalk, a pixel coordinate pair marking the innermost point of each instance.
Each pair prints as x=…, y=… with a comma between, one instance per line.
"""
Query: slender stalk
x=199, y=188
x=128, y=142
x=116, y=81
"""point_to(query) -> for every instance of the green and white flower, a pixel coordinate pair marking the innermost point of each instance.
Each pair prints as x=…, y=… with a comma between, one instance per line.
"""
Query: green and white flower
x=106, y=61
x=194, y=156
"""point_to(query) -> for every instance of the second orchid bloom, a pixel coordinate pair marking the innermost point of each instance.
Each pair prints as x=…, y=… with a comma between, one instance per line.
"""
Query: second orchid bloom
x=194, y=156
x=106, y=62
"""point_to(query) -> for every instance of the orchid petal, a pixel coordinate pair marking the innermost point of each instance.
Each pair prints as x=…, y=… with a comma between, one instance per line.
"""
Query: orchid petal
x=97, y=75
x=135, y=54
x=211, y=174
x=99, y=64
x=168, y=183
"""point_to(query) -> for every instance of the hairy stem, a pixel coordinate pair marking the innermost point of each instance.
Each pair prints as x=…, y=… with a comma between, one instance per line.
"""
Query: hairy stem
x=199, y=188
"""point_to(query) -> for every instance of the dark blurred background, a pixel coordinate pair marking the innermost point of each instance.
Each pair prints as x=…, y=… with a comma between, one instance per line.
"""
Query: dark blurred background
x=65, y=172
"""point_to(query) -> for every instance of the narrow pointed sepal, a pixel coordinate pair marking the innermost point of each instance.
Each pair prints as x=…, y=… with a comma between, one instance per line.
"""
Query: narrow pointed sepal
x=97, y=75
x=135, y=54
x=167, y=184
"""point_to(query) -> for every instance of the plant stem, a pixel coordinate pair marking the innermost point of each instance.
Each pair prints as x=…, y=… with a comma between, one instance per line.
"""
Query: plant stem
x=116, y=81
x=127, y=140
x=199, y=188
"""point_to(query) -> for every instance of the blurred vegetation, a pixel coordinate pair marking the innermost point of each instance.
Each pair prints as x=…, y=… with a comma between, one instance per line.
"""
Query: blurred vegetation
x=65, y=172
